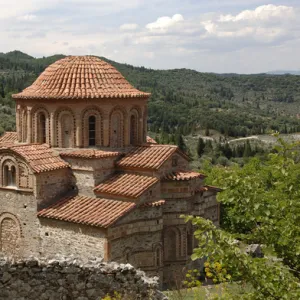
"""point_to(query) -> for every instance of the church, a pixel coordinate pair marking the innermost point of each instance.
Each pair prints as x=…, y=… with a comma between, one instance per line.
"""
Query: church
x=81, y=177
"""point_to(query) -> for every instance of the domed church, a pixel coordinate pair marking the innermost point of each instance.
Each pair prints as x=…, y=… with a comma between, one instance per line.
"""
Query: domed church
x=80, y=176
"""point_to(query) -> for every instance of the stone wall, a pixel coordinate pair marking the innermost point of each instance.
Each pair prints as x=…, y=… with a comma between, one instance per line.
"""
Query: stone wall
x=70, y=279
x=65, y=238
x=18, y=223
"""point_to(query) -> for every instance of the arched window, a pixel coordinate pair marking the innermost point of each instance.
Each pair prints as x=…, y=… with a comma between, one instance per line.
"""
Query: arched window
x=9, y=175
x=133, y=130
x=171, y=245
x=41, y=128
x=5, y=175
x=92, y=131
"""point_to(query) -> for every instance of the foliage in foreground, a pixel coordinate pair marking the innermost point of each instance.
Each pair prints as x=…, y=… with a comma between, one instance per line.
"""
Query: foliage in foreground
x=262, y=205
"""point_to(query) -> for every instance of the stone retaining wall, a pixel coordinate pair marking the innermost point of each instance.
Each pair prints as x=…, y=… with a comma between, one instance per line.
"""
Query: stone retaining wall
x=69, y=279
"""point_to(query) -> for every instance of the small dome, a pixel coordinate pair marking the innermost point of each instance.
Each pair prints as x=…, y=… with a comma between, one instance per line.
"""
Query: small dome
x=80, y=77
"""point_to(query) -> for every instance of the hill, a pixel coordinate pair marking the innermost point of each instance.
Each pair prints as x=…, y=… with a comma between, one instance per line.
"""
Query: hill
x=183, y=101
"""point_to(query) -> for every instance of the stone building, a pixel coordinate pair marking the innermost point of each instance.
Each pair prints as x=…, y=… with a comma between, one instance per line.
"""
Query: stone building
x=81, y=177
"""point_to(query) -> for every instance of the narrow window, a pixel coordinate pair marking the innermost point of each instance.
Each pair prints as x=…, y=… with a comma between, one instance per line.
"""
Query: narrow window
x=9, y=176
x=5, y=171
x=133, y=130
x=92, y=131
x=12, y=176
x=42, y=128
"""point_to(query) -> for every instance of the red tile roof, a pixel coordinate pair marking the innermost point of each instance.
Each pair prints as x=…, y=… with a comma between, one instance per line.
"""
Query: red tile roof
x=80, y=77
x=206, y=188
x=150, y=140
x=185, y=175
x=150, y=156
x=8, y=138
x=41, y=158
x=154, y=204
x=89, y=153
x=87, y=211
x=126, y=185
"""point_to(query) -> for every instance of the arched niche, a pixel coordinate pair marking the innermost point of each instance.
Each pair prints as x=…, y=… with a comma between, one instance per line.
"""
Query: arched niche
x=10, y=234
x=134, y=127
x=40, y=125
x=65, y=127
x=9, y=172
x=117, y=128
x=172, y=244
x=92, y=128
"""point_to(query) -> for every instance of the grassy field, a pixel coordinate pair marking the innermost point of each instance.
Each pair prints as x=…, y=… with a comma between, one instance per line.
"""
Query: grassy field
x=206, y=292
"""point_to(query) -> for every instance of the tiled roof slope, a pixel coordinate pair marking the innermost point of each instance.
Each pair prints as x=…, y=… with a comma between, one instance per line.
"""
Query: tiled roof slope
x=87, y=210
x=185, y=175
x=8, y=138
x=150, y=156
x=206, y=188
x=89, y=153
x=126, y=185
x=150, y=140
x=80, y=77
x=41, y=158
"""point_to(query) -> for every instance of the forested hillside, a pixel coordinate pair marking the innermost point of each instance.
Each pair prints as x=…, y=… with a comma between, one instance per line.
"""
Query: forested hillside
x=182, y=100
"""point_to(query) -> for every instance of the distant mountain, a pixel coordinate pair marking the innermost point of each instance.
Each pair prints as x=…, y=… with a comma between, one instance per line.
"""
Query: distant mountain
x=183, y=100
x=283, y=72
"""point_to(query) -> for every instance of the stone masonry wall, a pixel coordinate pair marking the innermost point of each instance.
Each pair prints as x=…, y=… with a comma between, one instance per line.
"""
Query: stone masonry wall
x=72, y=279
x=64, y=238
x=18, y=223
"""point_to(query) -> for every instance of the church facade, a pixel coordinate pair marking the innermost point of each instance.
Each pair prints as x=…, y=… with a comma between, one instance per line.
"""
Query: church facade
x=80, y=176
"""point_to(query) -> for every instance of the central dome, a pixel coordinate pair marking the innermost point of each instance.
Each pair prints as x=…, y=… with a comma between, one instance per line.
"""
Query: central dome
x=80, y=77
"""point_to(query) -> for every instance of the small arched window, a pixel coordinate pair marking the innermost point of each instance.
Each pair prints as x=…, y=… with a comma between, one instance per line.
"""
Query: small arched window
x=133, y=130
x=42, y=128
x=92, y=131
x=9, y=176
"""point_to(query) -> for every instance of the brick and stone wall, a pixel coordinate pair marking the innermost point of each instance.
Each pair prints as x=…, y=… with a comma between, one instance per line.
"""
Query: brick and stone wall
x=73, y=279
x=18, y=223
x=64, y=238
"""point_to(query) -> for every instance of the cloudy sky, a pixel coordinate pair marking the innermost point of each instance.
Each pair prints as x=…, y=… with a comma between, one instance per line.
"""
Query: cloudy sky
x=243, y=36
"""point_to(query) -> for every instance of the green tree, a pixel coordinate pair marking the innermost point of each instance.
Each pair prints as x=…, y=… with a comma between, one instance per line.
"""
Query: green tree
x=200, y=147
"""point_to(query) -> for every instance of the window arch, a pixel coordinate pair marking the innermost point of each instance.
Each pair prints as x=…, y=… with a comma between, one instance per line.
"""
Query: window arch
x=24, y=125
x=41, y=128
x=117, y=129
x=92, y=127
x=92, y=131
x=40, y=125
x=9, y=174
x=172, y=244
x=65, y=126
x=10, y=234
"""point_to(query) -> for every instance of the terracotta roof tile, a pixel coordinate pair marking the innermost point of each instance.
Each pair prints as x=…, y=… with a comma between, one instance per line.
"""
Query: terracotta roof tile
x=87, y=210
x=155, y=203
x=90, y=153
x=150, y=140
x=77, y=77
x=185, y=175
x=8, y=138
x=126, y=185
x=150, y=156
x=41, y=158
x=206, y=188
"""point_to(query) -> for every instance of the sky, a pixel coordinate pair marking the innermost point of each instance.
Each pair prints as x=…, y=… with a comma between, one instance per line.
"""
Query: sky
x=223, y=36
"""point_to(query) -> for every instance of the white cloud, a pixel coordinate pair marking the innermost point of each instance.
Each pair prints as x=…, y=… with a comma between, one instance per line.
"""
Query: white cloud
x=261, y=13
x=27, y=18
x=164, y=23
x=129, y=27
